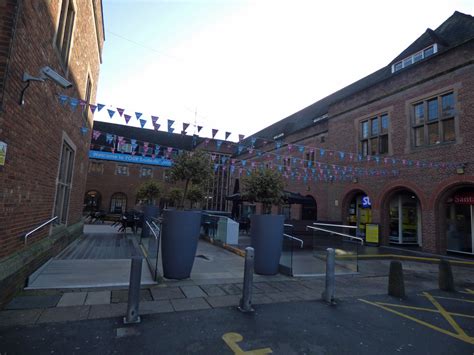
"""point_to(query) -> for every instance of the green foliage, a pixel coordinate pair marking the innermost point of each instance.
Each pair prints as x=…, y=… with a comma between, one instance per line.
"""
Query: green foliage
x=265, y=186
x=191, y=168
x=175, y=195
x=149, y=191
x=195, y=194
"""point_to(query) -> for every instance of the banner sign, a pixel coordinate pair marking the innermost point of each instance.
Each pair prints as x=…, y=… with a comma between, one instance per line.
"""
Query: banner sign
x=94, y=154
x=464, y=199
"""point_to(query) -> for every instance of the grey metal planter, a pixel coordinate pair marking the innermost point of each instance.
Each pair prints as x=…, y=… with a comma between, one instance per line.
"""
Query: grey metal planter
x=267, y=237
x=180, y=236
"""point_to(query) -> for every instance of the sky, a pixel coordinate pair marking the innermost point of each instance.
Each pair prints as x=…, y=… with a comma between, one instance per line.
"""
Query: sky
x=241, y=65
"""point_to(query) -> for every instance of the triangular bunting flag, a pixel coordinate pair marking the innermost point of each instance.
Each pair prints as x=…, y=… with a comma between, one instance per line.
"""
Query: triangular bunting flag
x=120, y=111
x=185, y=126
x=214, y=132
x=154, y=119
x=170, y=123
x=92, y=108
x=111, y=112
x=227, y=134
x=142, y=123
x=157, y=126
x=100, y=107
x=138, y=115
x=96, y=134
x=199, y=128
x=63, y=99
x=127, y=118
x=241, y=137
x=73, y=103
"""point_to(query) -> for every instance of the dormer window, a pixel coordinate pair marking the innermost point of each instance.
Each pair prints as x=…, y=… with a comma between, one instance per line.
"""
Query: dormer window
x=428, y=51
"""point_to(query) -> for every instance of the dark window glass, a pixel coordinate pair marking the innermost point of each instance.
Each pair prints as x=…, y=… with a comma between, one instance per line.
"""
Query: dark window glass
x=365, y=129
x=374, y=126
x=428, y=51
x=365, y=148
x=447, y=103
x=433, y=133
x=383, y=140
x=407, y=62
x=384, y=119
x=449, y=134
x=419, y=136
x=374, y=142
x=398, y=66
x=418, y=56
x=433, y=109
x=419, y=113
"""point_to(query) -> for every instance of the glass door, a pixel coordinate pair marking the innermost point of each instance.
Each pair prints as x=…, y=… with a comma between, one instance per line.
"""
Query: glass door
x=405, y=222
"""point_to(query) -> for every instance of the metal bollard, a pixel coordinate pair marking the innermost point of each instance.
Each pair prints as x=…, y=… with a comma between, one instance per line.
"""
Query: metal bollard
x=328, y=294
x=134, y=291
x=246, y=300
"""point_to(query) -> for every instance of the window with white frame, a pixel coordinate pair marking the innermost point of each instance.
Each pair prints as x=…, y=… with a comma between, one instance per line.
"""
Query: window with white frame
x=433, y=120
x=146, y=171
x=374, y=135
x=65, y=29
x=424, y=53
x=64, y=183
x=96, y=167
x=121, y=169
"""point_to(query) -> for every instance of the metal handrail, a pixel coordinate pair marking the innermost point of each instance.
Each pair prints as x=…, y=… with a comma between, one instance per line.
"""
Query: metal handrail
x=291, y=237
x=39, y=227
x=334, y=225
x=151, y=228
x=333, y=232
x=288, y=225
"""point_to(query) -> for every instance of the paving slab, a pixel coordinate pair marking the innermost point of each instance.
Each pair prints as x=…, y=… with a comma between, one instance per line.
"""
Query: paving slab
x=72, y=299
x=284, y=296
x=121, y=296
x=261, y=299
x=19, y=317
x=166, y=293
x=64, y=314
x=193, y=291
x=189, y=304
x=223, y=301
x=231, y=289
x=265, y=287
x=98, y=297
x=155, y=307
x=30, y=302
x=107, y=310
x=213, y=290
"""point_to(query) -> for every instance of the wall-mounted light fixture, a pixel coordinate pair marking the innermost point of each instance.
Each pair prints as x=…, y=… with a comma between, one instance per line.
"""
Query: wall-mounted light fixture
x=460, y=169
x=355, y=180
x=45, y=73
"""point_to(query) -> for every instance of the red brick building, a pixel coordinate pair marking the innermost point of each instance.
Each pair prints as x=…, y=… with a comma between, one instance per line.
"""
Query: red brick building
x=43, y=144
x=394, y=148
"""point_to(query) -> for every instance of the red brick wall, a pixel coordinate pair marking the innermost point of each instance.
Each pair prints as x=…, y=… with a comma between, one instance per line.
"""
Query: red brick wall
x=34, y=131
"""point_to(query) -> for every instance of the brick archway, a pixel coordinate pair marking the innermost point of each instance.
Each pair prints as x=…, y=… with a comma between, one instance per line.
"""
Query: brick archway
x=387, y=194
x=346, y=201
x=443, y=193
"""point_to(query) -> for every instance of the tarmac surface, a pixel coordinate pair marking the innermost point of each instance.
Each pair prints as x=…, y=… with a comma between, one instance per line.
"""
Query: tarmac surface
x=199, y=315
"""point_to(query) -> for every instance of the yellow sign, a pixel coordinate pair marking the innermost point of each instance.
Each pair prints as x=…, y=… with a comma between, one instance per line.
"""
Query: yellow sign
x=3, y=153
x=372, y=233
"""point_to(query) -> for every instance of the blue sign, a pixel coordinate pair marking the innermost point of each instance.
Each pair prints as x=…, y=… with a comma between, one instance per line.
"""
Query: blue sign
x=126, y=158
x=366, y=202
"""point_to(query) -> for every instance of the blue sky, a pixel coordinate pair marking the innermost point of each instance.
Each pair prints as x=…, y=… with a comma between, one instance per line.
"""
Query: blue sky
x=246, y=64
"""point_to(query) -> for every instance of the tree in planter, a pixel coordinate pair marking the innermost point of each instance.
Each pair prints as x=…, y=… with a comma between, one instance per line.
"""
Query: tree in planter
x=175, y=195
x=264, y=186
x=195, y=195
x=191, y=168
x=149, y=191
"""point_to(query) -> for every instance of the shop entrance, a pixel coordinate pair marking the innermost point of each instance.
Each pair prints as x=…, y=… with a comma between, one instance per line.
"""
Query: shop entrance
x=405, y=219
x=360, y=212
x=460, y=221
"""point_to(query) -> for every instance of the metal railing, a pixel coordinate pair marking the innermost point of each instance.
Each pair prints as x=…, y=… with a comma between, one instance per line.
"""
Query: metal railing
x=151, y=245
x=39, y=227
x=337, y=233
x=294, y=238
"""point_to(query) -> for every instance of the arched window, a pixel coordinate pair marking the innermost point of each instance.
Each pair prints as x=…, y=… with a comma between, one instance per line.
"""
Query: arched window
x=118, y=202
x=92, y=201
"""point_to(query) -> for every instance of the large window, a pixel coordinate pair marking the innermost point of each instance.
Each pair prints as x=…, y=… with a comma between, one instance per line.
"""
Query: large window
x=63, y=185
x=121, y=169
x=374, y=135
x=118, y=203
x=65, y=28
x=96, y=168
x=433, y=120
x=146, y=172
x=412, y=59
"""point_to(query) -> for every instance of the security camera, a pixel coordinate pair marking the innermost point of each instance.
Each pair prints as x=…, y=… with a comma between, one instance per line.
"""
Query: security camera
x=48, y=73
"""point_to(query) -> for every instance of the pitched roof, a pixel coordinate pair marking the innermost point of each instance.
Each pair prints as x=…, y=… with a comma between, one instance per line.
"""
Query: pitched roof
x=178, y=141
x=457, y=29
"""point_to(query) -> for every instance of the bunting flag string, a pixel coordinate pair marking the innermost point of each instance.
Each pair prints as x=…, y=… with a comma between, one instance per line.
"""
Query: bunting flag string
x=242, y=147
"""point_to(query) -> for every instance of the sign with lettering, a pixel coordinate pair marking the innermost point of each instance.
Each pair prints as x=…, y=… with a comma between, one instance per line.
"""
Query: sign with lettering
x=466, y=198
x=366, y=202
x=3, y=153
x=372, y=233
x=126, y=158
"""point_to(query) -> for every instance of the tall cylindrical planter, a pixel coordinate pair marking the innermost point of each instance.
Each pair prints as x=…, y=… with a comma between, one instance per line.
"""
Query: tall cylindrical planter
x=267, y=238
x=149, y=211
x=179, y=240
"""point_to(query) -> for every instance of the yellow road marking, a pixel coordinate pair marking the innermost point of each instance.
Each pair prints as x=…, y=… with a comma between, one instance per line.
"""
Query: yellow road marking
x=466, y=339
x=452, y=298
x=470, y=291
x=425, y=309
x=446, y=316
x=405, y=257
x=231, y=339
